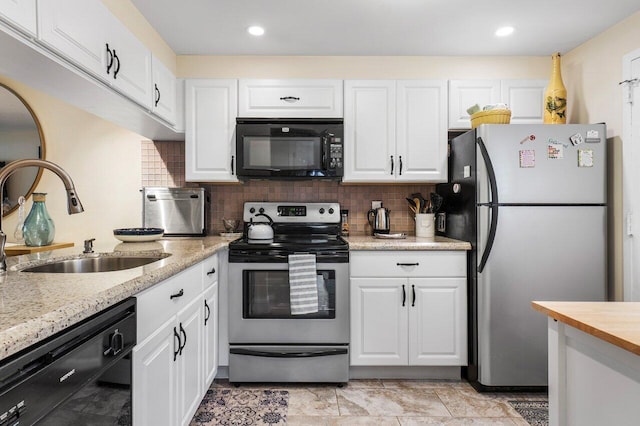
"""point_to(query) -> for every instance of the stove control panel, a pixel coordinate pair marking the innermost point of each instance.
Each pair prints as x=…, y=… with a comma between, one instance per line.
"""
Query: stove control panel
x=285, y=212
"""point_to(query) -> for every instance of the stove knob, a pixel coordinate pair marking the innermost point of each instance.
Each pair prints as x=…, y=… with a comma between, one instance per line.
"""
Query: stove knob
x=261, y=210
x=252, y=210
x=331, y=210
x=321, y=210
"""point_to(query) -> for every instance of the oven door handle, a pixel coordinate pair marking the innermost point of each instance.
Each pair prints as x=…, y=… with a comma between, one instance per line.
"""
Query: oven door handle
x=285, y=354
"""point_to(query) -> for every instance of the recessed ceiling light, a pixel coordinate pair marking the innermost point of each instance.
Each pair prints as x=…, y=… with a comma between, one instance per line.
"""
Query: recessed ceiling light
x=504, y=31
x=255, y=30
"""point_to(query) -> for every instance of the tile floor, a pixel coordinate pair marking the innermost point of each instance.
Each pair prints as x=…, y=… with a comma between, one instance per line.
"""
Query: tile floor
x=398, y=402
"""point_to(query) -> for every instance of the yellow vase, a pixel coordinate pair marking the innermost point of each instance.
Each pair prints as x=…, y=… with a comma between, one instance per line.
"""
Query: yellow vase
x=555, y=97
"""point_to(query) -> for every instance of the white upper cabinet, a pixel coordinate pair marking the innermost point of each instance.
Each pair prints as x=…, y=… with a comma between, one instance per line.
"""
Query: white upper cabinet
x=369, y=130
x=421, y=136
x=524, y=97
x=21, y=14
x=290, y=98
x=210, y=119
x=86, y=33
x=395, y=131
x=466, y=93
x=164, y=91
x=78, y=30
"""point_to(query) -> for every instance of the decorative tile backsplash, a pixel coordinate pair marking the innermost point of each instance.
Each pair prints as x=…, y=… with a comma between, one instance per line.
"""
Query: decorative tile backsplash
x=163, y=165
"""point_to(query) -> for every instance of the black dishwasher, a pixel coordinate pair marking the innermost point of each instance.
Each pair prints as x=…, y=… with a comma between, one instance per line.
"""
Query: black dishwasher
x=80, y=376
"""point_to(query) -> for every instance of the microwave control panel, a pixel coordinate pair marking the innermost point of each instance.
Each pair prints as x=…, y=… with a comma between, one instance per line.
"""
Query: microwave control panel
x=335, y=155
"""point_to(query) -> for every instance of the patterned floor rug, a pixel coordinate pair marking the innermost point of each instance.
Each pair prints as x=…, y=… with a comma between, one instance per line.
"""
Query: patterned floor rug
x=239, y=407
x=536, y=413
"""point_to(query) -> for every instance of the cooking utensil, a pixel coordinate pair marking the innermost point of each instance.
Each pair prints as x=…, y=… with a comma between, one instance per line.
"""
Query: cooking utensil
x=421, y=203
x=436, y=202
x=412, y=205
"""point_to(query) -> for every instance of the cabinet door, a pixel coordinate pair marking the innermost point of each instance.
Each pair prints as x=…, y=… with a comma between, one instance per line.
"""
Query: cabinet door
x=154, y=378
x=379, y=321
x=77, y=29
x=466, y=93
x=525, y=99
x=211, y=109
x=421, y=143
x=21, y=14
x=190, y=374
x=164, y=91
x=290, y=98
x=210, y=306
x=437, y=321
x=132, y=73
x=369, y=131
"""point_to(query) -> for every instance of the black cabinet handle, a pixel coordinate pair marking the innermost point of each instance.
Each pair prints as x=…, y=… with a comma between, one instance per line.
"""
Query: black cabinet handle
x=178, y=294
x=184, y=342
x=157, y=94
x=206, y=318
x=391, y=164
x=404, y=295
x=176, y=336
x=407, y=264
x=289, y=99
x=232, y=161
x=109, y=59
x=400, y=165
x=117, y=61
x=413, y=290
x=212, y=271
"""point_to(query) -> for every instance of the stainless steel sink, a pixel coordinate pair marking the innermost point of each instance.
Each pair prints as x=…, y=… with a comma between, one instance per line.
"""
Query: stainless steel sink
x=95, y=264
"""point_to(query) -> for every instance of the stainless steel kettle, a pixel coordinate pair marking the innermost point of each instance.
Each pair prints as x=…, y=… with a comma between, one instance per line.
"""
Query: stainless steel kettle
x=379, y=220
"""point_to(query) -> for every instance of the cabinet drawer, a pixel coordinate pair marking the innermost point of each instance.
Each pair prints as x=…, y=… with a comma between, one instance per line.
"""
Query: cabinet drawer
x=210, y=270
x=290, y=98
x=155, y=304
x=408, y=263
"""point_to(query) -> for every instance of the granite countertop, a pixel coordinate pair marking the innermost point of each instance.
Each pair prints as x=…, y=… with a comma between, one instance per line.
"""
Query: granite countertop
x=367, y=242
x=34, y=306
x=617, y=323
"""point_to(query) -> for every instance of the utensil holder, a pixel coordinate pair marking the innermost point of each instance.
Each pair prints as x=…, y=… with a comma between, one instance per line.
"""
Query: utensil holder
x=425, y=225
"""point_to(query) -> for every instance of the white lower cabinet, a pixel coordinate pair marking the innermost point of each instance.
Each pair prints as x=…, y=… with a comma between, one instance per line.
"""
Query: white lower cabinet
x=210, y=334
x=175, y=362
x=408, y=308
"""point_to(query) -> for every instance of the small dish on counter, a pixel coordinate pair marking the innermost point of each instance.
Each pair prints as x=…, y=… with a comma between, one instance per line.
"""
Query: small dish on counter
x=231, y=235
x=138, y=235
x=398, y=236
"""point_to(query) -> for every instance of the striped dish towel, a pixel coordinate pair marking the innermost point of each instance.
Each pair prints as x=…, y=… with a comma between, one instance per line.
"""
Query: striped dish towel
x=303, y=284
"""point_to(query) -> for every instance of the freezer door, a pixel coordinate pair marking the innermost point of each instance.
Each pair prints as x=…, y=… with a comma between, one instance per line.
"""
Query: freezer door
x=538, y=164
x=539, y=253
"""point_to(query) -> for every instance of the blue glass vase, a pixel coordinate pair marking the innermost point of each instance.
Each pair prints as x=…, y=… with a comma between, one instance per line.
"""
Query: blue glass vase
x=38, y=229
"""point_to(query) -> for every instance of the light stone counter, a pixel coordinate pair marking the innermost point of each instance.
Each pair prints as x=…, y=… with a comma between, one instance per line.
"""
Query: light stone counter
x=34, y=306
x=365, y=242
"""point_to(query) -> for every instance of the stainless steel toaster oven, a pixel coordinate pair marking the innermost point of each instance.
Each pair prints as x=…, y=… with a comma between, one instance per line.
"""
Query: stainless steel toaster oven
x=179, y=211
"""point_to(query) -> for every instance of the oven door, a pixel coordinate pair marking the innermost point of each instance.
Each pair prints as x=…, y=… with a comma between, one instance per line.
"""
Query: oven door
x=260, y=313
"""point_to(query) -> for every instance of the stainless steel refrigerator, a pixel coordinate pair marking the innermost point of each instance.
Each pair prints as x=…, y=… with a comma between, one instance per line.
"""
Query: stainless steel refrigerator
x=531, y=199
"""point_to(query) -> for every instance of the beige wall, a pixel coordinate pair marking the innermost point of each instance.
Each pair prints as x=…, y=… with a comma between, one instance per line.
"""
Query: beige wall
x=591, y=73
x=362, y=67
x=104, y=161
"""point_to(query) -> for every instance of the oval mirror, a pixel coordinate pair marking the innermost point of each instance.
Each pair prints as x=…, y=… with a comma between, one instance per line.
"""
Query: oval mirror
x=20, y=137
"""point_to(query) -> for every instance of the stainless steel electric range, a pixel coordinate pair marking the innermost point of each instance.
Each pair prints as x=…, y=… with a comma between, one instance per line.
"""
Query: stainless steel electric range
x=269, y=340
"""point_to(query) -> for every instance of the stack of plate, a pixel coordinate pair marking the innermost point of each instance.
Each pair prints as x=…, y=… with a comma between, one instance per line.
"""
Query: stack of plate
x=137, y=235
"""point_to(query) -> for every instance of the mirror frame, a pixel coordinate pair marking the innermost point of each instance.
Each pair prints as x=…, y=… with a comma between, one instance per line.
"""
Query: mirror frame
x=43, y=150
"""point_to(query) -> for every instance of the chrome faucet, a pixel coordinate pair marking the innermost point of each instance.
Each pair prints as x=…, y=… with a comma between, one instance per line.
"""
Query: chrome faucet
x=73, y=202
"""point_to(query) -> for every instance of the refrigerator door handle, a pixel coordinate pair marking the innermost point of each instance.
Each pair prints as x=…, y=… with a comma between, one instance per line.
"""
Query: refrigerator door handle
x=493, y=204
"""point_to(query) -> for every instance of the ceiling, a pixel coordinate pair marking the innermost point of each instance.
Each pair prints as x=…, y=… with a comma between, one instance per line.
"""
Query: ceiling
x=381, y=27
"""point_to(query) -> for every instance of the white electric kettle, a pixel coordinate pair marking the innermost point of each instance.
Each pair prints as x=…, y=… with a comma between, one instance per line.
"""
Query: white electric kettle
x=260, y=230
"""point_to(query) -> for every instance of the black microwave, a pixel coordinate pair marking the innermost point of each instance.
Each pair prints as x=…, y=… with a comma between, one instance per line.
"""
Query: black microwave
x=289, y=148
